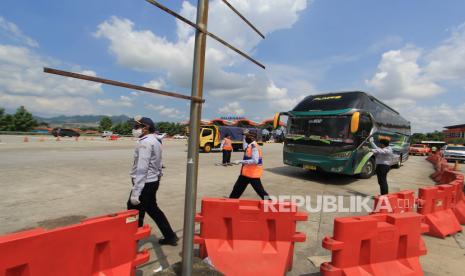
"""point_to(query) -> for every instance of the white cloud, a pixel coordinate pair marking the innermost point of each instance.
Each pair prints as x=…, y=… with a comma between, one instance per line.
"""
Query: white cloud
x=446, y=62
x=165, y=111
x=49, y=105
x=146, y=51
x=11, y=31
x=123, y=102
x=156, y=84
x=409, y=75
x=233, y=108
x=400, y=76
x=430, y=118
x=280, y=99
x=22, y=81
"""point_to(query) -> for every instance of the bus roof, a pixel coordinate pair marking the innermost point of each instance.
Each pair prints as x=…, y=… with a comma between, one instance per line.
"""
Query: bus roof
x=351, y=95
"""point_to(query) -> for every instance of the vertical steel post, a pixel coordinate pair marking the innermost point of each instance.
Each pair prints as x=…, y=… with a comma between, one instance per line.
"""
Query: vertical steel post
x=193, y=146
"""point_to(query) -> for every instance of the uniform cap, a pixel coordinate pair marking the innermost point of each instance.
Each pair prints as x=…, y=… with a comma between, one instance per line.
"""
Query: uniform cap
x=144, y=121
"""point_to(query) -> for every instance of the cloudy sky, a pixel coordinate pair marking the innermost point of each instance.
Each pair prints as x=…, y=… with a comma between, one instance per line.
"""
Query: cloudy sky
x=410, y=54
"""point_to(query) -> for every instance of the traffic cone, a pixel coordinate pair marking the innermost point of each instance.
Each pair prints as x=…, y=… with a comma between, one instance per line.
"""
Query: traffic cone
x=58, y=138
x=26, y=139
x=456, y=166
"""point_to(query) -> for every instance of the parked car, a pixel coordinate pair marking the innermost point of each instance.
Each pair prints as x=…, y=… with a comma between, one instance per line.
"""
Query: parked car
x=419, y=149
x=107, y=133
x=454, y=153
x=178, y=136
x=65, y=132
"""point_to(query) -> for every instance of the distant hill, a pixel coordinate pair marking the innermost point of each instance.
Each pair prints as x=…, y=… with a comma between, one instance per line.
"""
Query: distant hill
x=80, y=120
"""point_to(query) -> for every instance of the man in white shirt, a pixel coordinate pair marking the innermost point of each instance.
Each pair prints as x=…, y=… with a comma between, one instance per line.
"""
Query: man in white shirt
x=384, y=156
x=145, y=174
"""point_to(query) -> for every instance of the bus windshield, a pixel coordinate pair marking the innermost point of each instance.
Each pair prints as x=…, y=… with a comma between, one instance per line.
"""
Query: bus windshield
x=328, y=131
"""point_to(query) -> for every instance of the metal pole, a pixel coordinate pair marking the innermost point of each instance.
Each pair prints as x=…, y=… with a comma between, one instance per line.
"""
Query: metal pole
x=193, y=149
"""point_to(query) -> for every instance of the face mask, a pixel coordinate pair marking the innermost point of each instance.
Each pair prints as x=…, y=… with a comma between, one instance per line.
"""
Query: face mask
x=248, y=140
x=137, y=133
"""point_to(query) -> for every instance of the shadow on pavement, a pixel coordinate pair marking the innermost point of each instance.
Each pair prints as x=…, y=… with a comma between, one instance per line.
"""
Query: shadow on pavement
x=160, y=257
x=320, y=177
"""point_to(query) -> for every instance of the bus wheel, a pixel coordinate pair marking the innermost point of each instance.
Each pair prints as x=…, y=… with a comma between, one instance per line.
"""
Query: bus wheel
x=207, y=148
x=368, y=170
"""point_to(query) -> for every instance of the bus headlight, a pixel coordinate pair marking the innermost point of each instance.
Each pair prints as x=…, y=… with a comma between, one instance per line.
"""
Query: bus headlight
x=337, y=169
x=345, y=154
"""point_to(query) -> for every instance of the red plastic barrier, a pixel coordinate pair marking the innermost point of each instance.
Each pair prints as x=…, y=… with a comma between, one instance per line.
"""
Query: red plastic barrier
x=400, y=202
x=458, y=206
x=434, y=158
x=101, y=246
x=380, y=244
x=449, y=176
x=435, y=204
x=441, y=168
x=243, y=237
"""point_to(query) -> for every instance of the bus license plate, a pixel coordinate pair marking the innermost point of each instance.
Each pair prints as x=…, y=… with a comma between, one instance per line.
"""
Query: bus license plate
x=310, y=167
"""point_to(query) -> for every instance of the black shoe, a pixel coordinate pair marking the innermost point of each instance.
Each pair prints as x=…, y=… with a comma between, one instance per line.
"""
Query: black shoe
x=172, y=241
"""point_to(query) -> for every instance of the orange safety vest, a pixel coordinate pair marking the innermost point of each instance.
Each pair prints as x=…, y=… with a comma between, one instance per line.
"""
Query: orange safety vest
x=227, y=144
x=253, y=170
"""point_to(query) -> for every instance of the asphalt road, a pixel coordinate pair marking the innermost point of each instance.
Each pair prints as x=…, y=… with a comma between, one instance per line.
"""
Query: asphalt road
x=51, y=184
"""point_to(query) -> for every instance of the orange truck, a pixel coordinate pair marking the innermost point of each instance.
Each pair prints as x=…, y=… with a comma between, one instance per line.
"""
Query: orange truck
x=419, y=149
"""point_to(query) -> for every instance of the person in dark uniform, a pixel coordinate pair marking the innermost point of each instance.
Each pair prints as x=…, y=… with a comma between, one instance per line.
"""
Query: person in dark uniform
x=146, y=173
x=226, y=148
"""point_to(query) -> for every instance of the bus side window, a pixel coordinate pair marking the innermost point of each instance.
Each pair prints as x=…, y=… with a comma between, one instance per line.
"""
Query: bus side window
x=365, y=126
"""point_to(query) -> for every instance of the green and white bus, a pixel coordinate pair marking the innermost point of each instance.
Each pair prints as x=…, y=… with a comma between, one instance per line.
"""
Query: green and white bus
x=330, y=132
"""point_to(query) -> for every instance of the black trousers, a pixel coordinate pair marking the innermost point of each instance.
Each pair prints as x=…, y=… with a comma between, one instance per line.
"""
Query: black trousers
x=226, y=156
x=241, y=185
x=148, y=204
x=381, y=173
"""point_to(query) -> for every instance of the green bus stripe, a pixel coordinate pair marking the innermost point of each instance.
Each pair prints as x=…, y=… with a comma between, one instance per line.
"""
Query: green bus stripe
x=363, y=162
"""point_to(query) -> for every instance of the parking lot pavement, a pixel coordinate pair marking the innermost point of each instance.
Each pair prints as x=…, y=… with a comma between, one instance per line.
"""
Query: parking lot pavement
x=52, y=183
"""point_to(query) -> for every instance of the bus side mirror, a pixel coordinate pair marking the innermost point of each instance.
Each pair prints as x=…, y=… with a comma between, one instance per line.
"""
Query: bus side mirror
x=355, y=122
x=276, y=120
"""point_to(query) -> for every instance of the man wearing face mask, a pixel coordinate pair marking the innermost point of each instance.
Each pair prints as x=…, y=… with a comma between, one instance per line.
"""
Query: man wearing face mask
x=252, y=169
x=146, y=173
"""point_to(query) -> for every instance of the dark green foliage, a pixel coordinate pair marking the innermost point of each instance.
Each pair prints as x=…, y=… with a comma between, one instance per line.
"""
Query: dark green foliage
x=170, y=128
x=105, y=124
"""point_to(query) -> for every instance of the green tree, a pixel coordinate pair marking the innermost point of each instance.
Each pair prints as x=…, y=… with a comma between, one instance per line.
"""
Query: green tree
x=418, y=137
x=435, y=136
x=23, y=120
x=3, y=120
x=170, y=128
x=123, y=128
x=105, y=124
x=6, y=121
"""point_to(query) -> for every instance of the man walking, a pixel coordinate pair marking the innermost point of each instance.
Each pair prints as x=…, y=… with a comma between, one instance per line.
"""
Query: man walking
x=146, y=173
x=384, y=156
x=252, y=169
x=226, y=148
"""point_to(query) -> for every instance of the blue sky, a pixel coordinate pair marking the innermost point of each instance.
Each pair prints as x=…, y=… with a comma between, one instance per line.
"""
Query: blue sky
x=407, y=53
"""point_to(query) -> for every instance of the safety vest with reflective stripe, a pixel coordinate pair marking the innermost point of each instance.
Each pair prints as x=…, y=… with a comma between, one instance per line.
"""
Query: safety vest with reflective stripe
x=253, y=170
x=227, y=144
